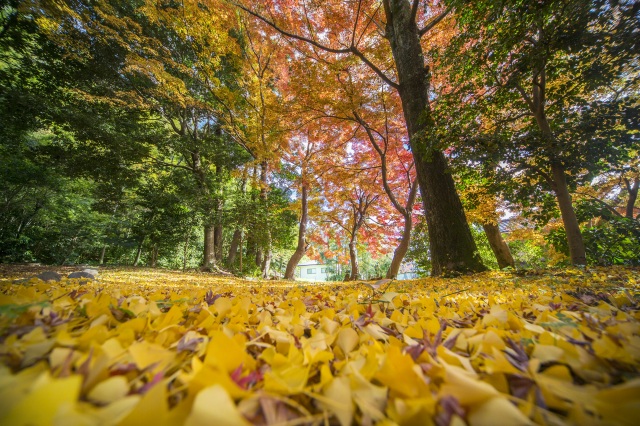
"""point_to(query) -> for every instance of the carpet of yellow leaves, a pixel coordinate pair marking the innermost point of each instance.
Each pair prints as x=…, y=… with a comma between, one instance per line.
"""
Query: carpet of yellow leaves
x=141, y=347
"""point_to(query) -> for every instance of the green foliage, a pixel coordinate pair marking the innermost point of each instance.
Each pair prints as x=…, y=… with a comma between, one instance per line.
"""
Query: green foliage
x=484, y=248
x=418, y=252
x=611, y=242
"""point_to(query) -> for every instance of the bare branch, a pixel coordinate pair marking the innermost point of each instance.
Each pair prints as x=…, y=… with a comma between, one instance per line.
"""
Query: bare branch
x=435, y=21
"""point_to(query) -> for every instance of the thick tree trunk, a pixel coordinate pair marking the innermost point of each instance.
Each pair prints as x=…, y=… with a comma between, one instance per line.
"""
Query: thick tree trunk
x=301, y=248
x=498, y=245
x=569, y=219
x=451, y=243
x=217, y=242
x=353, y=255
x=233, y=248
x=139, y=251
x=209, y=247
x=401, y=250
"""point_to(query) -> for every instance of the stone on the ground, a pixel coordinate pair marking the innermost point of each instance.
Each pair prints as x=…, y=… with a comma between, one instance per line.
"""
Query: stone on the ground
x=49, y=276
x=81, y=274
x=93, y=272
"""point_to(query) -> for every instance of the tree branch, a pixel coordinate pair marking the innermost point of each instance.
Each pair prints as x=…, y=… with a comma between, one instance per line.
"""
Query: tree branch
x=435, y=21
x=414, y=10
x=343, y=51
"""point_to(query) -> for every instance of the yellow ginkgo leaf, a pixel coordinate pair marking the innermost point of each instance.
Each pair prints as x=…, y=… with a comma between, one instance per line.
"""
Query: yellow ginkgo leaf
x=347, y=340
x=42, y=404
x=497, y=411
x=213, y=406
x=110, y=390
x=399, y=375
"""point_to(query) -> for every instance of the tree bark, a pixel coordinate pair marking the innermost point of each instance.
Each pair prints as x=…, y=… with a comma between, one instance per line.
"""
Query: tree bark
x=154, y=256
x=451, y=243
x=571, y=226
x=353, y=255
x=217, y=242
x=139, y=251
x=209, y=247
x=263, y=256
x=498, y=245
x=233, y=248
x=401, y=250
x=537, y=105
x=301, y=248
x=633, y=196
x=266, y=263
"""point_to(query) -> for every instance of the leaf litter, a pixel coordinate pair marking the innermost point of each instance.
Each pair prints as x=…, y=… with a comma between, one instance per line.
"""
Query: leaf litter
x=152, y=347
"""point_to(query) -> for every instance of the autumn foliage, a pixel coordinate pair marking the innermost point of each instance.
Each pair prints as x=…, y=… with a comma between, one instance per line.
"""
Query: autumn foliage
x=149, y=347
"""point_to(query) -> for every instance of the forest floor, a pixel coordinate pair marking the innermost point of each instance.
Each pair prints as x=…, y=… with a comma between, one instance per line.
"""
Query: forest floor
x=144, y=346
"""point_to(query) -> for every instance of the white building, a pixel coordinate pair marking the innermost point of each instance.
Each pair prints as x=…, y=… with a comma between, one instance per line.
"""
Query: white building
x=312, y=271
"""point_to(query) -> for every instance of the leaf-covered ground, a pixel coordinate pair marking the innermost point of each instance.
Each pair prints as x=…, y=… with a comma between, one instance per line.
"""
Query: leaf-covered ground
x=148, y=347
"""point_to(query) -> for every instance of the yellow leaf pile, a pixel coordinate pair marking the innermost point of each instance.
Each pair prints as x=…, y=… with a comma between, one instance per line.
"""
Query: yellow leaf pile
x=148, y=347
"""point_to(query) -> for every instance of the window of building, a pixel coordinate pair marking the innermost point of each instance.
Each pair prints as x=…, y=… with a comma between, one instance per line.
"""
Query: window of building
x=311, y=271
x=323, y=270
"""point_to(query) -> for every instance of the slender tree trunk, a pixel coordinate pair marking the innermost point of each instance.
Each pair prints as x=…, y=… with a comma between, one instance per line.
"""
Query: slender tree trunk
x=263, y=257
x=266, y=263
x=569, y=219
x=154, y=256
x=537, y=104
x=233, y=248
x=401, y=250
x=302, y=243
x=353, y=255
x=633, y=196
x=209, y=247
x=139, y=251
x=451, y=243
x=498, y=245
x=102, y=254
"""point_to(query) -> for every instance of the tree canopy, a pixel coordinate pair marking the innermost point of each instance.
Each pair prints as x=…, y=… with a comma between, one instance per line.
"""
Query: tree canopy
x=424, y=136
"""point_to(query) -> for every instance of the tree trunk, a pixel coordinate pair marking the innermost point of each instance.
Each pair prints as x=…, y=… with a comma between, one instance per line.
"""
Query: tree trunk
x=153, y=261
x=139, y=251
x=302, y=243
x=353, y=255
x=263, y=255
x=498, y=245
x=266, y=263
x=233, y=248
x=217, y=242
x=633, y=196
x=569, y=219
x=451, y=243
x=209, y=247
x=102, y=254
x=401, y=250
